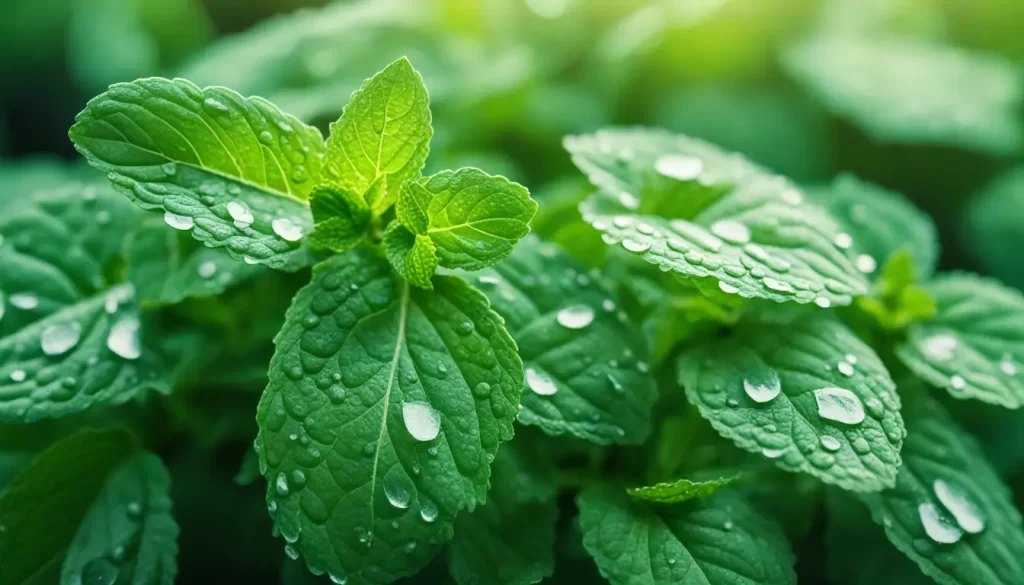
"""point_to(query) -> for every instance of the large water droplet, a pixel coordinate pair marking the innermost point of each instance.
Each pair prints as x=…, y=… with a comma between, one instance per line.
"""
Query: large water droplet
x=830, y=443
x=679, y=167
x=778, y=285
x=938, y=528
x=396, y=493
x=281, y=484
x=241, y=214
x=866, y=264
x=57, y=339
x=99, y=571
x=940, y=346
x=178, y=222
x=840, y=405
x=287, y=229
x=843, y=240
x=1007, y=366
x=731, y=231
x=428, y=511
x=575, y=316
x=124, y=338
x=727, y=288
x=540, y=382
x=25, y=301
x=421, y=420
x=18, y=376
x=216, y=105
x=772, y=453
x=762, y=385
x=845, y=368
x=207, y=269
x=966, y=513
x=635, y=246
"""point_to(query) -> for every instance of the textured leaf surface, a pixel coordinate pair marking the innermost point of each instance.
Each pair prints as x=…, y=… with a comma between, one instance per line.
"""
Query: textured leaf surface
x=383, y=131
x=58, y=318
x=235, y=171
x=937, y=449
x=881, y=222
x=128, y=532
x=752, y=231
x=42, y=508
x=910, y=92
x=588, y=379
x=731, y=382
x=340, y=217
x=680, y=490
x=974, y=346
x=412, y=255
x=362, y=363
x=474, y=219
x=720, y=540
x=165, y=269
x=511, y=538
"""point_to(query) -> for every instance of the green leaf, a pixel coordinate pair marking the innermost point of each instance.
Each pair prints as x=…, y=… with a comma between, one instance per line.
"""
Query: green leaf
x=384, y=131
x=412, y=255
x=69, y=339
x=128, y=532
x=896, y=300
x=41, y=510
x=911, y=92
x=397, y=398
x=340, y=217
x=249, y=472
x=511, y=538
x=165, y=268
x=234, y=171
x=810, y=395
x=475, y=219
x=720, y=540
x=413, y=207
x=680, y=490
x=993, y=220
x=881, y=222
x=750, y=230
x=974, y=346
x=585, y=363
x=945, y=472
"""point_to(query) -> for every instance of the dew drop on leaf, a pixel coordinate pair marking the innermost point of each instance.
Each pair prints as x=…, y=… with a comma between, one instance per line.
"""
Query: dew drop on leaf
x=731, y=231
x=845, y=368
x=956, y=501
x=635, y=246
x=540, y=382
x=727, y=288
x=240, y=214
x=207, y=269
x=843, y=240
x=866, y=264
x=958, y=382
x=123, y=338
x=58, y=339
x=938, y=528
x=281, y=484
x=178, y=222
x=575, y=316
x=421, y=420
x=396, y=494
x=18, y=376
x=762, y=385
x=840, y=405
x=428, y=511
x=287, y=229
x=830, y=443
x=679, y=167
x=24, y=301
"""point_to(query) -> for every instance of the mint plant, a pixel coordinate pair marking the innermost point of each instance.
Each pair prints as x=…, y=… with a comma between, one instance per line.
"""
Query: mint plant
x=692, y=367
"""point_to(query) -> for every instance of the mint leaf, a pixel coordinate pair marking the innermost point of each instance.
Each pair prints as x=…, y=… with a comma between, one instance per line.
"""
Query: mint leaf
x=385, y=406
x=234, y=171
x=881, y=222
x=340, y=217
x=750, y=230
x=384, y=131
x=811, y=396
x=412, y=255
x=911, y=92
x=680, y=490
x=992, y=227
x=720, y=540
x=41, y=510
x=562, y=318
x=511, y=538
x=949, y=511
x=165, y=268
x=413, y=207
x=128, y=532
x=974, y=346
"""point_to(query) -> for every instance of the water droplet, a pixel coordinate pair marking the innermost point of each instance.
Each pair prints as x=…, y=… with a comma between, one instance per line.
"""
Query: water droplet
x=940, y=346
x=281, y=484
x=778, y=285
x=396, y=493
x=575, y=316
x=338, y=579
x=938, y=528
x=482, y=390
x=58, y=339
x=123, y=338
x=540, y=383
x=466, y=327
x=966, y=513
x=287, y=229
x=298, y=476
x=428, y=511
x=98, y=571
x=1007, y=366
x=635, y=246
x=616, y=385
x=216, y=105
x=791, y=196
x=169, y=168
x=762, y=385
x=840, y=405
x=421, y=420
x=241, y=214
x=845, y=369
x=608, y=305
x=958, y=382
x=178, y=222
x=728, y=525
x=843, y=240
x=18, y=376
x=285, y=126
x=250, y=260
x=442, y=369
x=727, y=288
x=24, y=301
x=207, y=269
x=266, y=137
x=679, y=167
x=628, y=200
x=866, y=264
x=830, y=443
x=731, y=231
x=772, y=453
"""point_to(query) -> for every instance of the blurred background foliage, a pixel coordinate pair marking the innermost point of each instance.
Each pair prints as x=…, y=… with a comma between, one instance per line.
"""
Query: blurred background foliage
x=924, y=97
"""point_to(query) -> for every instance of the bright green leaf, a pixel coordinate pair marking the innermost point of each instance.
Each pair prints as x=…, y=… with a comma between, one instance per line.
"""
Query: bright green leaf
x=751, y=231
x=340, y=217
x=563, y=319
x=234, y=171
x=412, y=255
x=383, y=131
x=911, y=92
x=475, y=219
x=680, y=490
x=413, y=207
x=993, y=220
x=974, y=346
x=896, y=300
x=949, y=511
x=810, y=395
x=128, y=533
x=720, y=540
x=397, y=398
